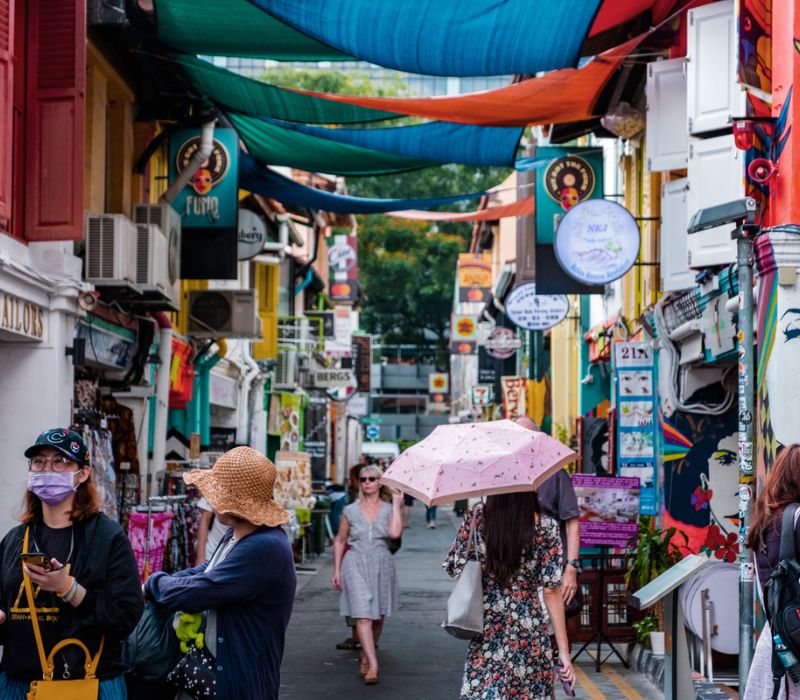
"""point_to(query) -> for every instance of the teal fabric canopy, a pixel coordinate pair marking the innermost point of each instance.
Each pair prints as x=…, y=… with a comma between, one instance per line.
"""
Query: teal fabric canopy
x=258, y=99
x=255, y=177
x=438, y=141
x=234, y=28
x=446, y=37
x=278, y=146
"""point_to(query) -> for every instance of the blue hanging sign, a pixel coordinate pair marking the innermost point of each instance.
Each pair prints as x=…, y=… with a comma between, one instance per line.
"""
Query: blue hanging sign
x=210, y=200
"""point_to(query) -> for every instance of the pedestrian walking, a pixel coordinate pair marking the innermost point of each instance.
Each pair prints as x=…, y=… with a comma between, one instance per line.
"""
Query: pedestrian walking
x=430, y=517
x=365, y=574
x=781, y=488
x=85, y=587
x=519, y=551
x=248, y=586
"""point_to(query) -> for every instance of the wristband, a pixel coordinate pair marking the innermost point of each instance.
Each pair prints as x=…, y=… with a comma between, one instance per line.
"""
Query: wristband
x=64, y=592
x=73, y=589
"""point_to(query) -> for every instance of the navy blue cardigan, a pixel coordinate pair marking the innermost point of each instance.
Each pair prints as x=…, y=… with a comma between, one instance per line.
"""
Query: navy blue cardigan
x=252, y=590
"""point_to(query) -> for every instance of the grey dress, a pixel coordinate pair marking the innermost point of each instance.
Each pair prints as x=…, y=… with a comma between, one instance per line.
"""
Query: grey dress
x=368, y=578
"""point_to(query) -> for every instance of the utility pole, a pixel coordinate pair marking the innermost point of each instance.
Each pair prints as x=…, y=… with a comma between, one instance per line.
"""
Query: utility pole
x=742, y=213
x=745, y=236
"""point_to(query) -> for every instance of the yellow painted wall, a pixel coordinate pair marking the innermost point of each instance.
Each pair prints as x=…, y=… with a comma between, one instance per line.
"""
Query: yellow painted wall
x=266, y=284
x=565, y=369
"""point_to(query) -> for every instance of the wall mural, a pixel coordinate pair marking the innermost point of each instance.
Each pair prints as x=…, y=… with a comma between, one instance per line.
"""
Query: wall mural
x=701, y=481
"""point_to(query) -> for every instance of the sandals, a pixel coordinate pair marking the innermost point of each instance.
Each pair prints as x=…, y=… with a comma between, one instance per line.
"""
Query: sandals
x=349, y=644
x=363, y=667
x=371, y=678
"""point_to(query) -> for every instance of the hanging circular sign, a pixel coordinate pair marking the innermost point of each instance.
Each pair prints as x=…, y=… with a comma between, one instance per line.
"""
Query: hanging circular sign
x=535, y=312
x=569, y=180
x=597, y=241
x=502, y=343
x=341, y=257
x=252, y=234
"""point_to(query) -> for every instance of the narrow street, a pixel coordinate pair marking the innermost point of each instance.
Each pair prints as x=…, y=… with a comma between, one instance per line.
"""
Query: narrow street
x=417, y=658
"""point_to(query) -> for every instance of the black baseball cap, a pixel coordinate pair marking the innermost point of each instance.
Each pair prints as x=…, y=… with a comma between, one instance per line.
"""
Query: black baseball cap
x=66, y=441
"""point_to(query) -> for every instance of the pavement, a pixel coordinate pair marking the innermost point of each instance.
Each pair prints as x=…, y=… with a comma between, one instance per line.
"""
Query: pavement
x=417, y=658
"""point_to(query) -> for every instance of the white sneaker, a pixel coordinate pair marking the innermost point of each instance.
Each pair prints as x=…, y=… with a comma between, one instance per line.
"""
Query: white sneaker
x=431, y=526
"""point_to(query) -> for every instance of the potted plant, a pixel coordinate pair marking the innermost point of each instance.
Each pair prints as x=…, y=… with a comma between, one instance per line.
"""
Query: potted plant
x=654, y=553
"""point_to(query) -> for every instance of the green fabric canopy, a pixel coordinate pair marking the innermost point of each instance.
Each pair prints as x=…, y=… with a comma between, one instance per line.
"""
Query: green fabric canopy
x=278, y=146
x=258, y=99
x=235, y=28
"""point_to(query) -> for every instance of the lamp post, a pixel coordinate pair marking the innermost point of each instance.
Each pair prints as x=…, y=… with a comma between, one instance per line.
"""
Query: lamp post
x=742, y=213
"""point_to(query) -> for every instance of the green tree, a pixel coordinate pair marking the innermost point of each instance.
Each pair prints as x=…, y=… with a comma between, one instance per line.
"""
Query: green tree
x=407, y=271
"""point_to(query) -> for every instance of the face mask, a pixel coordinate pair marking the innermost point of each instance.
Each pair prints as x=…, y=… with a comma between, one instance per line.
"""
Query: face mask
x=52, y=487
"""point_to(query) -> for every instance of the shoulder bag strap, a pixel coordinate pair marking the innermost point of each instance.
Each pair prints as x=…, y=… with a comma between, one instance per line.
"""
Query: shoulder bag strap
x=788, y=550
x=472, y=546
x=48, y=662
x=47, y=670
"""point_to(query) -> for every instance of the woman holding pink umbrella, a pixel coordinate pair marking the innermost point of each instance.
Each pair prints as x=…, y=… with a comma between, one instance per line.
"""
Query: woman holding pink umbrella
x=519, y=551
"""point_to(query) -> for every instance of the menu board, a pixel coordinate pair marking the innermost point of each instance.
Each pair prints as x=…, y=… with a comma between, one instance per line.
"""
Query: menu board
x=293, y=481
x=609, y=510
x=634, y=366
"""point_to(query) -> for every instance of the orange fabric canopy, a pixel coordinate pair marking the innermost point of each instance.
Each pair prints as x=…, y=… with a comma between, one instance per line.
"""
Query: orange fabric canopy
x=523, y=207
x=558, y=97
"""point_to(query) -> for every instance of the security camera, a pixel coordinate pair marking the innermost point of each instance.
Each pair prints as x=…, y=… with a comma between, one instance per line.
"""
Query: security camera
x=740, y=211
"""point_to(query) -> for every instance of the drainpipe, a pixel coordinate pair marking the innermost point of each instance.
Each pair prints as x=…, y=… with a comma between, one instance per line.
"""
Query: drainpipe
x=199, y=409
x=259, y=441
x=200, y=157
x=162, y=396
x=243, y=429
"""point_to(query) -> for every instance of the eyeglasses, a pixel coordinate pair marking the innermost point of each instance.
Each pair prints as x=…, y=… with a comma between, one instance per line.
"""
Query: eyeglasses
x=58, y=463
x=368, y=478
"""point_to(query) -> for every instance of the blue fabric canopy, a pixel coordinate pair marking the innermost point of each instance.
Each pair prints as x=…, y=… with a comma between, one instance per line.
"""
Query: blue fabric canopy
x=256, y=178
x=446, y=37
x=435, y=141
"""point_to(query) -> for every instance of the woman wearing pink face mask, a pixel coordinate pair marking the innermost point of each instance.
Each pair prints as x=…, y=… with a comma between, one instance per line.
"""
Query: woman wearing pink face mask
x=89, y=587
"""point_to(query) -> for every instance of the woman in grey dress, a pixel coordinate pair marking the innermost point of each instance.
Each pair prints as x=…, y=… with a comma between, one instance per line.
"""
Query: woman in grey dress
x=365, y=571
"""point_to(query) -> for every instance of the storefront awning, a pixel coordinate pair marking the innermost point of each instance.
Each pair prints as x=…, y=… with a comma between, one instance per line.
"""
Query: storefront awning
x=275, y=145
x=479, y=37
x=234, y=28
x=258, y=99
x=437, y=141
x=524, y=207
x=257, y=178
x=558, y=97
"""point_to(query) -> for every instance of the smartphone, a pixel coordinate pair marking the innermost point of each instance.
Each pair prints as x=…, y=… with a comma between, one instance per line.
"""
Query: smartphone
x=37, y=559
x=569, y=690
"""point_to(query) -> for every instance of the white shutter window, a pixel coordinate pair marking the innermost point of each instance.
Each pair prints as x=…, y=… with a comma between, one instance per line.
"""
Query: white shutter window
x=667, y=140
x=675, y=272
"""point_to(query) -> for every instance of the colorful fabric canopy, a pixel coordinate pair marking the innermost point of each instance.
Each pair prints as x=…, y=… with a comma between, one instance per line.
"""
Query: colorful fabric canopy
x=259, y=99
x=255, y=177
x=437, y=141
x=559, y=97
x=523, y=207
x=446, y=37
x=278, y=146
x=615, y=12
x=234, y=28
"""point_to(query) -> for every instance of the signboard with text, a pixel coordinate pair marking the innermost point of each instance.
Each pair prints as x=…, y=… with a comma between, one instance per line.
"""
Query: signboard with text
x=474, y=277
x=343, y=267
x=609, y=510
x=332, y=378
x=361, y=354
x=535, y=312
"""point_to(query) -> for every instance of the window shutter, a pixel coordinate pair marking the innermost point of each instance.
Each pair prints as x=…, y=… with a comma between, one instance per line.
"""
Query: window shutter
x=56, y=117
x=6, y=108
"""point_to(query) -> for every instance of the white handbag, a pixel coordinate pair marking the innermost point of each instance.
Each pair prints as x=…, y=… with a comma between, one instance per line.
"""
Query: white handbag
x=464, y=615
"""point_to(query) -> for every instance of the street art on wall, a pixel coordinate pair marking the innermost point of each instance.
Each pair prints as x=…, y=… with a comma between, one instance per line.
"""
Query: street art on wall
x=755, y=44
x=701, y=480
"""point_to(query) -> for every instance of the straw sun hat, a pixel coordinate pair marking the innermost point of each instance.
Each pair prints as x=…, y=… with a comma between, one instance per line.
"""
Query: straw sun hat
x=241, y=484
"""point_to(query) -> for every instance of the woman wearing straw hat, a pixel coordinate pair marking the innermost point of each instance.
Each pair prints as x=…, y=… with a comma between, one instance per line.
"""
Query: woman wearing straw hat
x=85, y=587
x=366, y=574
x=248, y=585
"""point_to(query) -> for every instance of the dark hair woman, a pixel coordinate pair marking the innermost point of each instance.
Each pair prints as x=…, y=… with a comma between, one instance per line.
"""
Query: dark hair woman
x=781, y=488
x=519, y=551
x=87, y=587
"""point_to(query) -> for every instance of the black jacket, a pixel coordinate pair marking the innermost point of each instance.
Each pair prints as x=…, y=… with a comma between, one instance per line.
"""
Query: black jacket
x=105, y=566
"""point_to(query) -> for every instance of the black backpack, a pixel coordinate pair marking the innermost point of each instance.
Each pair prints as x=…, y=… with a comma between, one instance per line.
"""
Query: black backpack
x=783, y=597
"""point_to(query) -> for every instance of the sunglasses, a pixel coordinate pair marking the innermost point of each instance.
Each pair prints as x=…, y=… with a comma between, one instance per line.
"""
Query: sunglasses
x=368, y=478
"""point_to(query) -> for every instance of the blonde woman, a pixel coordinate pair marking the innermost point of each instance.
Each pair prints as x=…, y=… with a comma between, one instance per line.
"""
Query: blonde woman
x=365, y=574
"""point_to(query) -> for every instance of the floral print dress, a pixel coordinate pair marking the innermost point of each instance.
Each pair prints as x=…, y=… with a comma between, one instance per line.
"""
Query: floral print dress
x=512, y=658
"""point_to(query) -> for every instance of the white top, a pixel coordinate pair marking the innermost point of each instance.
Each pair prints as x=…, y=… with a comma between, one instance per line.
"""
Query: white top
x=215, y=533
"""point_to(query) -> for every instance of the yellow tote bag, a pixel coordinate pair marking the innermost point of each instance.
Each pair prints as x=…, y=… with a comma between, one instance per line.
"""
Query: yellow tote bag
x=87, y=688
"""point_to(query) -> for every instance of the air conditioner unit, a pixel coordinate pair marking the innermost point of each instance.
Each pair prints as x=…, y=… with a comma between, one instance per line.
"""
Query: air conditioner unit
x=169, y=221
x=224, y=313
x=110, y=250
x=286, y=370
x=155, y=266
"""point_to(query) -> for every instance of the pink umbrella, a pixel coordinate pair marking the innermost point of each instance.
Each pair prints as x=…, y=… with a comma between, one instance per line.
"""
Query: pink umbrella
x=463, y=460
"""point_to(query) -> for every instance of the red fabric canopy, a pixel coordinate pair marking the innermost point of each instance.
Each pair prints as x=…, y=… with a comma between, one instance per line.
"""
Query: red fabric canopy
x=524, y=207
x=558, y=97
x=615, y=12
